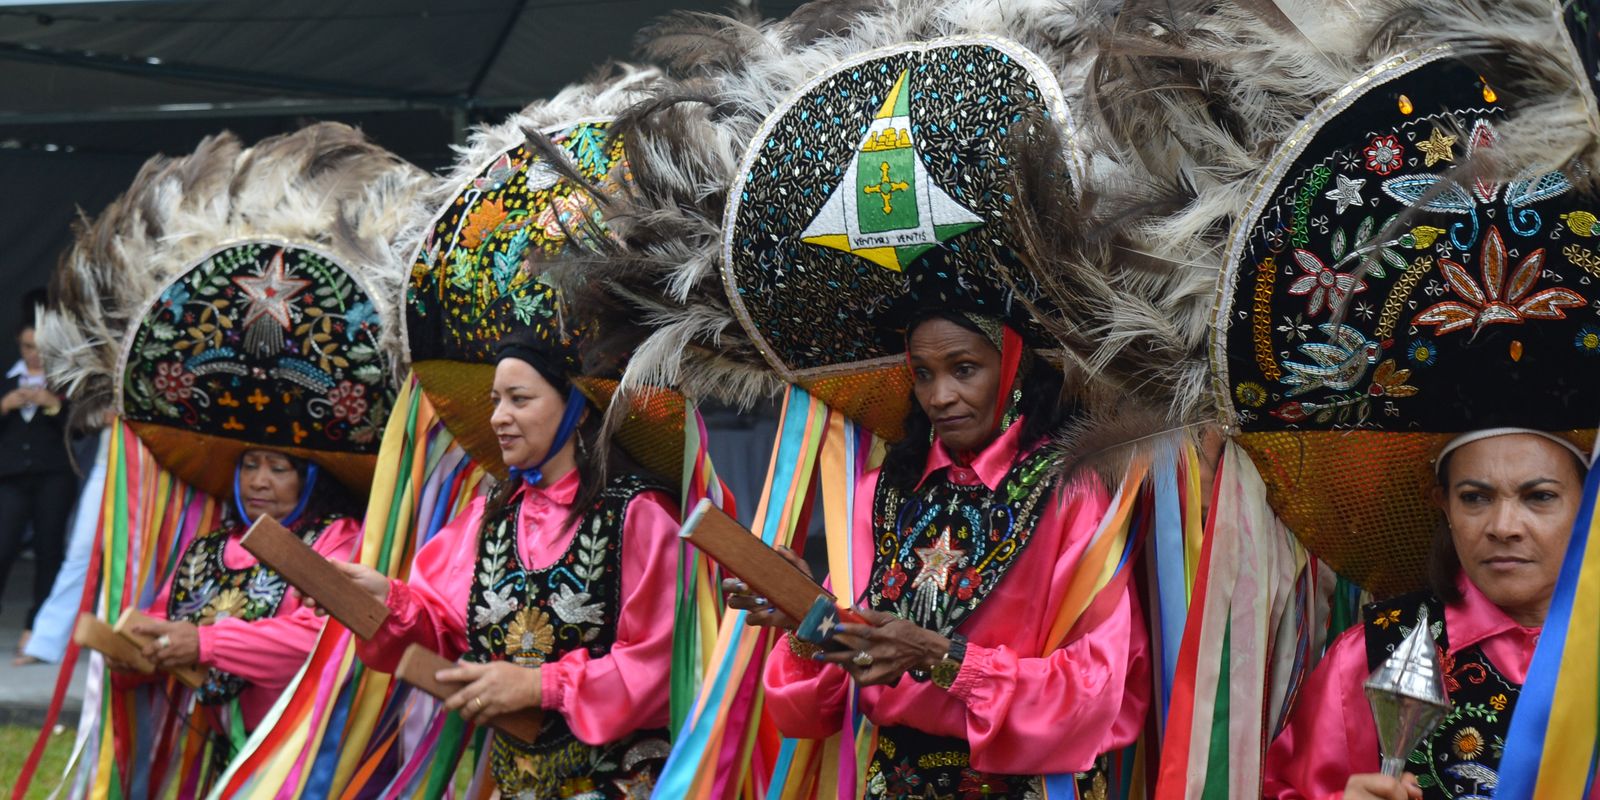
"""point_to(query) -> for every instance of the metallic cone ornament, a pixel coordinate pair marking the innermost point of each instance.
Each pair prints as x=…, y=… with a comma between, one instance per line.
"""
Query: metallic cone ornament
x=1407, y=696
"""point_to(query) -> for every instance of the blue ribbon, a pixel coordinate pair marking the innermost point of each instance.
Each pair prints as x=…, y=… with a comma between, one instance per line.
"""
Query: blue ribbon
x=569, y=423
x=299, y=508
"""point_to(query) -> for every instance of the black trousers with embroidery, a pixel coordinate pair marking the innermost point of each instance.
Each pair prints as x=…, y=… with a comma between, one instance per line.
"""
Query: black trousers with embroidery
x=45, y=500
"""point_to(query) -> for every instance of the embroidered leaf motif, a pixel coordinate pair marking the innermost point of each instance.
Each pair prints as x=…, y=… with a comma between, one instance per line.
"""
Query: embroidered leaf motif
x=1413, y=189
x=588, y=144
x=1526, y=191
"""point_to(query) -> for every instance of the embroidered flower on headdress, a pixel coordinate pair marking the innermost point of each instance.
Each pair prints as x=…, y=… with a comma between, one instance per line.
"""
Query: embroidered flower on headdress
x=173, y=381
x=361, y=315
x=966, y=582
x=1325, y=285
x=1501, y=298
x=482, y=222
x=1251, y=394
x=175, y=297
x=1389, y=381
x=1587, y=340
x=1422, y=352
x=1384, y=154
x=348, y=401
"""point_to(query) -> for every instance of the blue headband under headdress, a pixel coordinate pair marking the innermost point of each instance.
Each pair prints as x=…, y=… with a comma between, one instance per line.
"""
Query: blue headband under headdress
x=569, y=423
x=299, y=508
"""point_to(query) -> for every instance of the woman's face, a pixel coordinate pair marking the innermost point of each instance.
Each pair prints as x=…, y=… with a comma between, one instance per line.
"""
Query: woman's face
x=269, y=483
x=527, y=412
x=1511, y=501
x=955, y=379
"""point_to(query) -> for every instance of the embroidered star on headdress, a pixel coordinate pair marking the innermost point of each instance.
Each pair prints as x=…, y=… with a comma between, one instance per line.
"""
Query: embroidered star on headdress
x=1346, y=194
x=1437, y=147
x=270, y=292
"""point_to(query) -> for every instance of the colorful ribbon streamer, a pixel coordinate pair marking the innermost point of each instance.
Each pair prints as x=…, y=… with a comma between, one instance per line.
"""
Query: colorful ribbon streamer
x=1552, y=747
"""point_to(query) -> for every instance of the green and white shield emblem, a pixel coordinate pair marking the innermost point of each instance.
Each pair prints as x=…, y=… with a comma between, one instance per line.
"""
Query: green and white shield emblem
x=886, y=209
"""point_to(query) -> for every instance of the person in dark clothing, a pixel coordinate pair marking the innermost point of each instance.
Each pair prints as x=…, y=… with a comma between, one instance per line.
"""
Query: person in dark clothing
x=37, y=485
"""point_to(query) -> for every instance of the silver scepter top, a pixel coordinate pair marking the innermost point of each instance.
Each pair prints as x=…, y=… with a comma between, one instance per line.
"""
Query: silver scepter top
x=1407, y=696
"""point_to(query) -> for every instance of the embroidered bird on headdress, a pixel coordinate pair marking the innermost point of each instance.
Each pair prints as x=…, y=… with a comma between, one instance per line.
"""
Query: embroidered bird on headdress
x=1341, y=362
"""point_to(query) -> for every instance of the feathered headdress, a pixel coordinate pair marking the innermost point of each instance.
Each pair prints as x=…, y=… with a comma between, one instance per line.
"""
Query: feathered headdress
x=241, y=296
x=691, y=149
x=1295, y=191
x=521, y=206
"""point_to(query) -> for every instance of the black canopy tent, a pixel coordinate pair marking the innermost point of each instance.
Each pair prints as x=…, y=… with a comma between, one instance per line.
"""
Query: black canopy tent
x=89, y=90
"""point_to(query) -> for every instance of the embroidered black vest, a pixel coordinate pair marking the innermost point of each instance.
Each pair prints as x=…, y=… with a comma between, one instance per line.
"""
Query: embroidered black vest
x=1461, y=758
x=530, y=617
x=938, y=552
x=205, y=590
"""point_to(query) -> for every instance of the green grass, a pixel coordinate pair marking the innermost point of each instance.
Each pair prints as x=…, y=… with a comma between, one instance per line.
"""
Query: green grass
x=16, y=742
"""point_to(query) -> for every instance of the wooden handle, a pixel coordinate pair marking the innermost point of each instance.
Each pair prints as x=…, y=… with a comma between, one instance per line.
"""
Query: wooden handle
x=744, y=554
x=192, y=677
x=93, y=633
x=315, y=577
x=418, y=667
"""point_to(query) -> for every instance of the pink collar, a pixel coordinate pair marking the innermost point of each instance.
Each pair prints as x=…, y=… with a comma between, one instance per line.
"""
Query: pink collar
x=992, y=463
x=1476, y=618
x=562, y=492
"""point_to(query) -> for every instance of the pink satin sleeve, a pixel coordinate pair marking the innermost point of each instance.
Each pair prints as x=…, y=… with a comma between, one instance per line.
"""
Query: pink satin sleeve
x=628, y=688
x=430, y=607
x=1066, y=697
x=1330, y=735
x=805, y=698
x=1085, y=698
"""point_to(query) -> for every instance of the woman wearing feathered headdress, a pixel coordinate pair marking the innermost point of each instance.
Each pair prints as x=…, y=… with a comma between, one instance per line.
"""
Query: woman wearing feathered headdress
x=556, y=591
x=252, y=350
x=1402, y=345
x=860, y=250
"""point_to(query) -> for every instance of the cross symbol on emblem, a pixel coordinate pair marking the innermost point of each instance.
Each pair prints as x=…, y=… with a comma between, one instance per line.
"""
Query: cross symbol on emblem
x=886, y=188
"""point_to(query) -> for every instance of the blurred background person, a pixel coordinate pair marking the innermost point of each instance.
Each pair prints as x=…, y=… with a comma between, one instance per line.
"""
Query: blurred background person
x=37, y=484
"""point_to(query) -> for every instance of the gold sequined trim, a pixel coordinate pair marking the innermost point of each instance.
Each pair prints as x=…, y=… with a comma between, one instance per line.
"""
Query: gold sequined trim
x=1583, y=257
x=1261, y=322
x=949, y=758
x=1397, y=295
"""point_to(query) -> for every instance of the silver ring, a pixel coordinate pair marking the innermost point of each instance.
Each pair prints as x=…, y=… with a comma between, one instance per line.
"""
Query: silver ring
x=163, y=641
x=862, y=659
